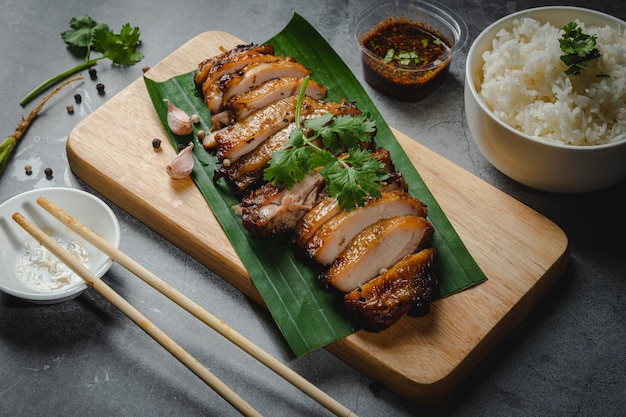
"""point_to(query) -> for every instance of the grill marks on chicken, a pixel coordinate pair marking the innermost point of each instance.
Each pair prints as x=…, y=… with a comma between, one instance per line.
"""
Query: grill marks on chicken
x=377, y=256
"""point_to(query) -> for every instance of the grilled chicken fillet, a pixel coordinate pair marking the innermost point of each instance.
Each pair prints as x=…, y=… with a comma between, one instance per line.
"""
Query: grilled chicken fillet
x=409, y=285
x=314, y=219
x=206, y=66
x=217, y=94
x=270, y=211
x=332, y=237
x=235, y=63
x=376, y=248
x=248, y=169
x=243, y=104
x=242, y=137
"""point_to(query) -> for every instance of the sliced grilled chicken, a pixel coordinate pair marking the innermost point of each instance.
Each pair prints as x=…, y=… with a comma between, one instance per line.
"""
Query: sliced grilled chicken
x=206, y=66
x=270, y=211
x=395, y=181
x=217, y=94
x=329, y=207
x=240, y=138
x=407, y=286
x=243, y=104
x=244, y=136
x=214, y=94
x=376, y=248
x=314, y=219
x=369, y=252
x=333, y=236
x=248, y=169
x=235, y=63
x=256, y=74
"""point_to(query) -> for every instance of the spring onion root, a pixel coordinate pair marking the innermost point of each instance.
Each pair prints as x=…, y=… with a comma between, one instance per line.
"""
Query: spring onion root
x=6, y=148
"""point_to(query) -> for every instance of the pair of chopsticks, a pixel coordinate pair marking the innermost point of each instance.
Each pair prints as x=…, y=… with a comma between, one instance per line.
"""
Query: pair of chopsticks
x=190, y=306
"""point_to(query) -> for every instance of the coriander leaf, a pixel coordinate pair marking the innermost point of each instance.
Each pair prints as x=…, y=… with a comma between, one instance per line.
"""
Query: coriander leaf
x=119, y=48
x=343, y=132
x=81, y=33
x=318, y=123
x=324, y=160
x=291, y=163
x=355, y=178
x=578, y=49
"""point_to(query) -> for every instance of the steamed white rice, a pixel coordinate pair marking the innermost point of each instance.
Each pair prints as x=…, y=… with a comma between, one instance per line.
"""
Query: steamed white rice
x=524, y=84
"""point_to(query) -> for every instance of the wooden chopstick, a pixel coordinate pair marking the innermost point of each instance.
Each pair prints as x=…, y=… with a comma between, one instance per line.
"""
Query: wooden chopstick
x=193, y=308
x=163, y=339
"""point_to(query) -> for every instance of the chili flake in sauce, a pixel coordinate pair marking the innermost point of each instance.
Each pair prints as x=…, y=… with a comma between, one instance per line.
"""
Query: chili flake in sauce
x=404, y=59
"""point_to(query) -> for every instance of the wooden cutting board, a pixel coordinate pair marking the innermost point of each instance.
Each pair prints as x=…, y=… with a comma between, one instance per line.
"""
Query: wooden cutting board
x=521, y=252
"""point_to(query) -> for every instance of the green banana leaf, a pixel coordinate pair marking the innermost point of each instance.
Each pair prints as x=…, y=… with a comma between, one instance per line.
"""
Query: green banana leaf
x=306, y=313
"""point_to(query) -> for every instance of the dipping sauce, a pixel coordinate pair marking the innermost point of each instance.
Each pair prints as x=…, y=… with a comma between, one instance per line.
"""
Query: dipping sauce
x=39, y=270
x=404, y=59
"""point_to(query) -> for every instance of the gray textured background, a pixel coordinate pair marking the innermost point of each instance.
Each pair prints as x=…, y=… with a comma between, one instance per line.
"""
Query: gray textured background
x=84, y=358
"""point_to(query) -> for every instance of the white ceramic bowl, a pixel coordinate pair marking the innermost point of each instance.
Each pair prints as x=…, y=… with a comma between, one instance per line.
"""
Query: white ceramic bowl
x=539, y=164
x=15, y=241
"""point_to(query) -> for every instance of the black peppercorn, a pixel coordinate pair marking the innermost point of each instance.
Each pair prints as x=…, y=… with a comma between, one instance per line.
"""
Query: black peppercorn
x=156, y=143
x=48, y=172
x=93, y=73
x=77, y=98
x=100, y=88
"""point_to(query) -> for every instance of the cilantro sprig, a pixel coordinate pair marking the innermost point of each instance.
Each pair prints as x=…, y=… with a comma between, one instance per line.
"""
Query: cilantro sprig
x=331, y=145
x=90, y=36
x=578, y=49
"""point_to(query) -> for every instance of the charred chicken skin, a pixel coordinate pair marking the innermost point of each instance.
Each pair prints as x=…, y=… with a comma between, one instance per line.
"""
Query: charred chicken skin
x=206, y=66
x=217, y=94
x=407, y=286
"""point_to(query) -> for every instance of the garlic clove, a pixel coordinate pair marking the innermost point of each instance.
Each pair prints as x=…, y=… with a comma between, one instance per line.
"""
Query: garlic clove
x=182, y=165
x=178, y=120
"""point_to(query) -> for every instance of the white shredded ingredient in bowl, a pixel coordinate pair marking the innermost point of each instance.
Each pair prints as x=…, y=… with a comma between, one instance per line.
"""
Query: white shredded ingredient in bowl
x=524, y=84
x=39, y=270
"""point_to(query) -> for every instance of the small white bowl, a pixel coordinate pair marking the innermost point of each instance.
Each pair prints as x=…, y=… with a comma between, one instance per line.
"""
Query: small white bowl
x=537, y=163
x=15, y=241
